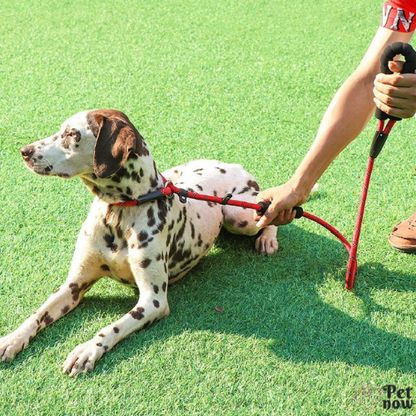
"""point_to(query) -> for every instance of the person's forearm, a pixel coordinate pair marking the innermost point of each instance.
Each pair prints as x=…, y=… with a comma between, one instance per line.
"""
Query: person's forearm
x=345, y=118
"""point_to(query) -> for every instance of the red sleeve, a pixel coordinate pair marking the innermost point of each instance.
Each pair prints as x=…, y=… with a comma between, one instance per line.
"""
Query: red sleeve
x=399, y=15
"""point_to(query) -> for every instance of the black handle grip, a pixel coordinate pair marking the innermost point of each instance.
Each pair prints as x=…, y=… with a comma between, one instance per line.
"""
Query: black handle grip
x=397, y=48
x=264, y=205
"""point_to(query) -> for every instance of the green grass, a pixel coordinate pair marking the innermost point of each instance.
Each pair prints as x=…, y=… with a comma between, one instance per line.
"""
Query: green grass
x=241, y=81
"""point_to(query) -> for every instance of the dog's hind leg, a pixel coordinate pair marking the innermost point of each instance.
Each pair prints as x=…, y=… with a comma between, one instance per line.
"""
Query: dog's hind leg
x=240, y=221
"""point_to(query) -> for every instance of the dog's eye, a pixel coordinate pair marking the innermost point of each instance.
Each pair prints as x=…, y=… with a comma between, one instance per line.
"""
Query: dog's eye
x=75, y=134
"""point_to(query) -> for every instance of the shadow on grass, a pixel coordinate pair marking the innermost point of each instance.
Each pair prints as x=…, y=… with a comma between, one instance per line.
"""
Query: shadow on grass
x=275, y=298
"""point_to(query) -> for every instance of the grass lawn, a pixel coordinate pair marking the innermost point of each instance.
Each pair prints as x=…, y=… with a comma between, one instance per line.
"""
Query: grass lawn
x=241, y=81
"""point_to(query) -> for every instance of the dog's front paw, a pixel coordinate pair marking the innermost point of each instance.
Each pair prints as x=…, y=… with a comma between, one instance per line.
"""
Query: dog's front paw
x=267, y=242
x=12, y=344
x=83, y=358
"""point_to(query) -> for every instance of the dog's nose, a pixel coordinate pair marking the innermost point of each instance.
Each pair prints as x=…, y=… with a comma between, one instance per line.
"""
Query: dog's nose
x=27, y=152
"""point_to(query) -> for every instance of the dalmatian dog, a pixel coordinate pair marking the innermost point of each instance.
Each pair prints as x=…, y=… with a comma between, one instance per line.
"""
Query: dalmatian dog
x=146, y=246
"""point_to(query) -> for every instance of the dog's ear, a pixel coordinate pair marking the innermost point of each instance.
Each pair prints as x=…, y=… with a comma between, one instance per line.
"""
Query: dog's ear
x=116, y=139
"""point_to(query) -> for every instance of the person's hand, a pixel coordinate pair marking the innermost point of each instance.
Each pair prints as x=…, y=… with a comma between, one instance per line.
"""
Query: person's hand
x=282, y=200
x=395, y=94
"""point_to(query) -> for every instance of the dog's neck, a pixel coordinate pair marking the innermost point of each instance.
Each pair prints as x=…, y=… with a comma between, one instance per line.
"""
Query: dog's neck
x=138, y=176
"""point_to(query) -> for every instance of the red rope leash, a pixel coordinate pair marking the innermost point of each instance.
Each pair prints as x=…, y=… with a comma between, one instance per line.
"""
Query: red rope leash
x=378, y=143
x=169, y=190
x=183, y=194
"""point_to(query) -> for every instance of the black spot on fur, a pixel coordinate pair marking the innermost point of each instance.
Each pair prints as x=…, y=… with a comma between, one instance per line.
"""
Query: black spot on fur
x=65, y=310
x=135, y=176
x=171, y=225
x=156, y=303
x=145, y=263
x=138, y=313
x=181, y=231
x=179, y=217
x=76, y=289
x=122, y=173
x=153, y=182
x=143, y=236
x=109, y=239
x=253, y=184
x=119, y=231
x=162, y=210
x=151, y=217
x=116, y=330
x=46, y=318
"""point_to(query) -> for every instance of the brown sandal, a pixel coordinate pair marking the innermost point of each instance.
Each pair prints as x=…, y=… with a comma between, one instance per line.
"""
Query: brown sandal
x=403, y=236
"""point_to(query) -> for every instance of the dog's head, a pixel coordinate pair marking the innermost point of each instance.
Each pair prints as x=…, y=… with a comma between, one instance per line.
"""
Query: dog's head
x=97, y=141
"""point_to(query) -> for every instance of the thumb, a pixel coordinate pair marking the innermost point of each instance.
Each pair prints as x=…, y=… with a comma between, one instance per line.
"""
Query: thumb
x=396, y=66
x=266, y=218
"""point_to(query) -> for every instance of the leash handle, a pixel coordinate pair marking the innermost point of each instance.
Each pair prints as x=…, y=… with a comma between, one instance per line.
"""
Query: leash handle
x=409, y=67
x=265, y=205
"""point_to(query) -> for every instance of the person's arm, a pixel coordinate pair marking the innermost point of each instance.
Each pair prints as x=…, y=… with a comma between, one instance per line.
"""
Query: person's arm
x=347, y=115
